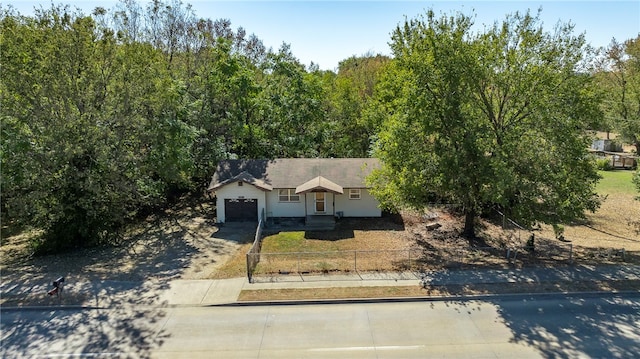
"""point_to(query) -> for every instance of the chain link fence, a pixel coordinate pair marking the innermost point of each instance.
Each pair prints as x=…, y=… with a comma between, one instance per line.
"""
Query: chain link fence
x=517, y=250
x=271, y=265
x=253, y=255
x=336, y=262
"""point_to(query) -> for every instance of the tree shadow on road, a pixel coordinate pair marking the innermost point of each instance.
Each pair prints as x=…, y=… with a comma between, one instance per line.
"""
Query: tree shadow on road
x=603, y=325
x=120, y=288
x=123, y=332
x=606, y=331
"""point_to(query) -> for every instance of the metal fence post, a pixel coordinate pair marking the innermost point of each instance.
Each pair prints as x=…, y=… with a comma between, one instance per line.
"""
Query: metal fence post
x=249, y=267
x=570, y=252
x=355, y=261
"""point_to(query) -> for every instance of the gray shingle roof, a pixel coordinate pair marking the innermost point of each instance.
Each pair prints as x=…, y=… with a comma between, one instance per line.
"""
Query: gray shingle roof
x=246, y=177
x=293, y=172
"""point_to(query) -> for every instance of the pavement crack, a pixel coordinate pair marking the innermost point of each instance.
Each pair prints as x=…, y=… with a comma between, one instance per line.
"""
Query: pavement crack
x=373, y=342
x=264, y=330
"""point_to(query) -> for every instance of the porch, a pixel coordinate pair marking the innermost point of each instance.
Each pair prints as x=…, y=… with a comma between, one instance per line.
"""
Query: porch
x=308, y=223
x=320, y=223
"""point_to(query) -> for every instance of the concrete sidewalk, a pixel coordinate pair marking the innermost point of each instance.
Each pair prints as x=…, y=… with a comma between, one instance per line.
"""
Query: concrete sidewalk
x=226, y=291
x=178, y=292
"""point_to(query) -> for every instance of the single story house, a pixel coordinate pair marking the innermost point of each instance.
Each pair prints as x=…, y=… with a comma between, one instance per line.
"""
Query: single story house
x=249, y=190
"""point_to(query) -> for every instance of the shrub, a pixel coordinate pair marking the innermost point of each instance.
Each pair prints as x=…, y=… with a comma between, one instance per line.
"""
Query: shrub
x=604, y=164
x=558, y=230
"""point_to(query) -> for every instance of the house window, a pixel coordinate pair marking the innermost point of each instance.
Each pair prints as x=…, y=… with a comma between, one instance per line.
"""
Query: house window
x=240, y=184
x=354, y=193
x=288, y=195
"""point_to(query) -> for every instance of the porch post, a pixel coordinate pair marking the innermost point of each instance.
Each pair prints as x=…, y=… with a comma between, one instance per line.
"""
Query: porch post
x=305, y=208
x=334, y=204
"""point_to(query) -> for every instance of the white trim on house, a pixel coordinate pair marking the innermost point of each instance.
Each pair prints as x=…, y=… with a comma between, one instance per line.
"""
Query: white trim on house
x=319, y=184
x=288, y=195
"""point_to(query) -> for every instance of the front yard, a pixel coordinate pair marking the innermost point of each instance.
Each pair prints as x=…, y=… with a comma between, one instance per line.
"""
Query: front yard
x=185, y=243
x=598, y=240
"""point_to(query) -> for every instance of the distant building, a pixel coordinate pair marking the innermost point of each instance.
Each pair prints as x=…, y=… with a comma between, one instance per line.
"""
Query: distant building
x=606, y=145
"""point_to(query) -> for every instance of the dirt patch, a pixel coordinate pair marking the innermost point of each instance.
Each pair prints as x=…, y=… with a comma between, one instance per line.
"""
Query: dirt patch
x=183, y=242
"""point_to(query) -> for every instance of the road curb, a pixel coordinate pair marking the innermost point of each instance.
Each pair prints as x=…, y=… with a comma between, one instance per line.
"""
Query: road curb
x=328, y=301
x=413, y=299
x=49, y=307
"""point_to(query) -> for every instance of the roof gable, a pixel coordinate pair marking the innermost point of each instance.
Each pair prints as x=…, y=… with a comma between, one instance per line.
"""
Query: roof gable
x=319, y=184
x=243, y=176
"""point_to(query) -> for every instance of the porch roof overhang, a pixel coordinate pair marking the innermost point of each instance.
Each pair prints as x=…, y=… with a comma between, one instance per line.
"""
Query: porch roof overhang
x=244, y=177
x=319, y=184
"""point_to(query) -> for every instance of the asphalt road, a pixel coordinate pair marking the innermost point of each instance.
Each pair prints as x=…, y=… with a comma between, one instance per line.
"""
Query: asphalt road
x=596, y=326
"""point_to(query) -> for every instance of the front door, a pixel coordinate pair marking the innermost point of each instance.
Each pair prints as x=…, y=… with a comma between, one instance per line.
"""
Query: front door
x=320, y=199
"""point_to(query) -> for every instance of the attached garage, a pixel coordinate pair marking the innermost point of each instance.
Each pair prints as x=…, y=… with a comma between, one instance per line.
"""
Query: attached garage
x=239, y=210
x=240, y=198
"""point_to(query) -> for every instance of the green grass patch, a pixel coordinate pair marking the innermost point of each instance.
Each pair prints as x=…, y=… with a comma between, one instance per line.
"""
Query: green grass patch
x=616, y=182
x=286, y=242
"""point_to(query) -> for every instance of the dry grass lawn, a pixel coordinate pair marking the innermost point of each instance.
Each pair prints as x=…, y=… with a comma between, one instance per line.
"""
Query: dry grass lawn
x=612, y=227
x=434, y=291
x=615, y=225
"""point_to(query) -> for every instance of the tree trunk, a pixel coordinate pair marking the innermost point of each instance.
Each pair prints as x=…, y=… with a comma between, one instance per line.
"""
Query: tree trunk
x=469, y=224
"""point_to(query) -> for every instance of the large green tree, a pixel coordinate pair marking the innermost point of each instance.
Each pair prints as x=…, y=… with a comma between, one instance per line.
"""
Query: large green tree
x=487, y=119
x=111, y=115
x=98, y=129
x=620, y=80
x=292, y=114
x=351, y=128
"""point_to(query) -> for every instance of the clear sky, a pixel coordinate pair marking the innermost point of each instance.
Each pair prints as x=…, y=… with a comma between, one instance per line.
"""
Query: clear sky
x=326, y=32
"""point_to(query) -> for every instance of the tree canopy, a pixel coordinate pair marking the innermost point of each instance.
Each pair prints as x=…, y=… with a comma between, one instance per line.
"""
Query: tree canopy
x=619, y=80
x=108, y=116
x=488, y=119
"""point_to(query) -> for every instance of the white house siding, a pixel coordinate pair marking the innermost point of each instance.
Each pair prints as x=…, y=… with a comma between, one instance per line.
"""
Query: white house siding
x=233, y=191
x=366, y=206
x=275, y=208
